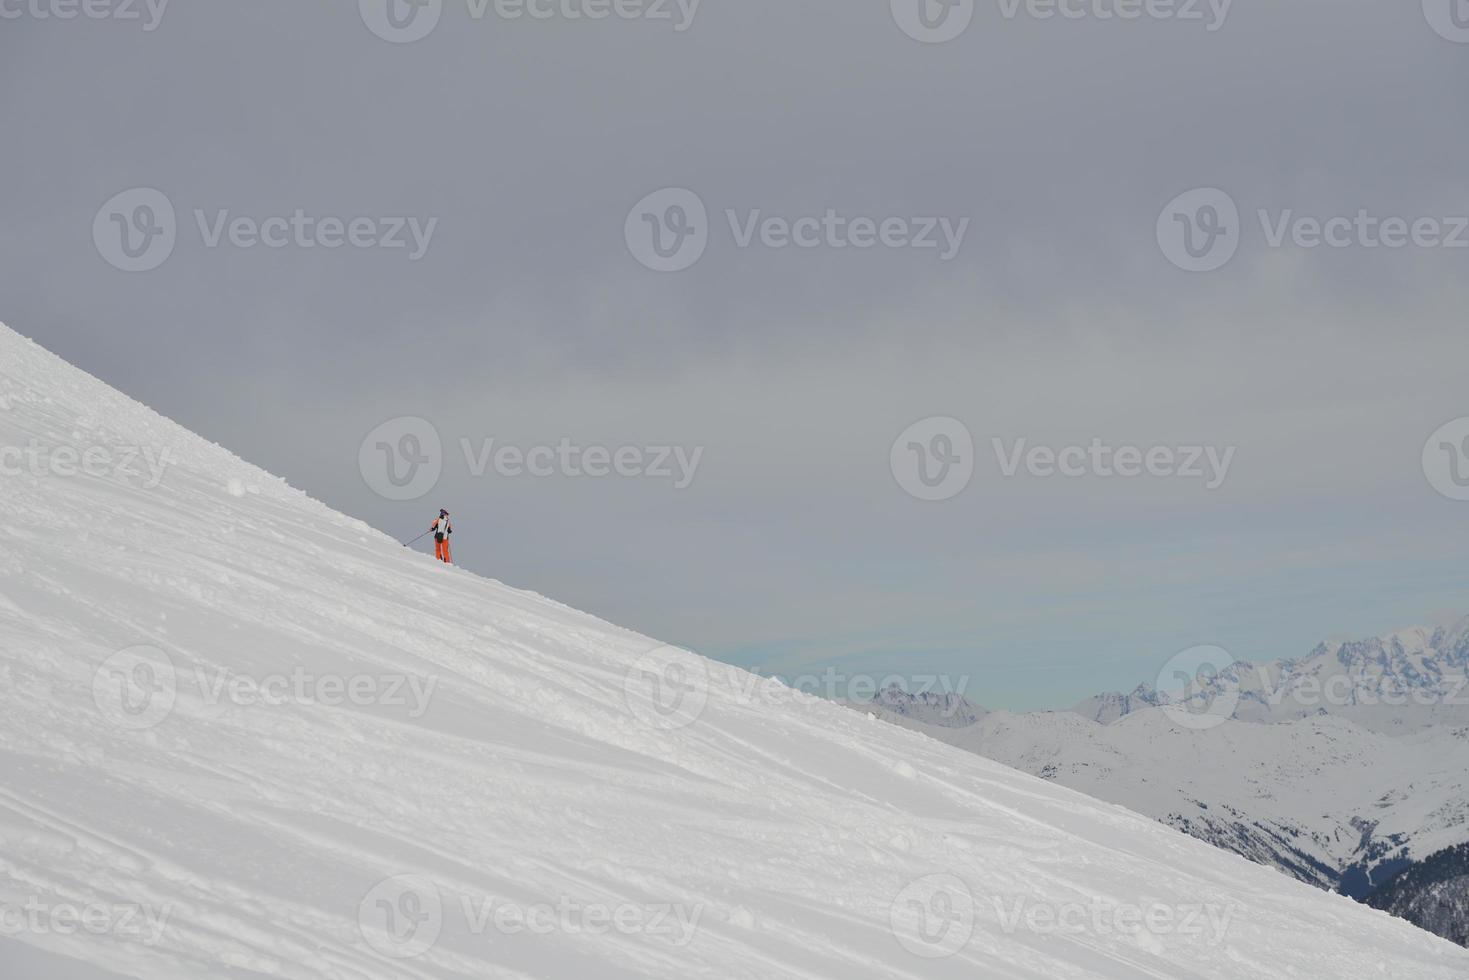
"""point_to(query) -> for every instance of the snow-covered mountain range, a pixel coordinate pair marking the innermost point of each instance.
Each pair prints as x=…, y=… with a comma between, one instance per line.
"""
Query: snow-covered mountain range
x=944, y=709
x=1342, y=768
x=1406, y=681
x=244, y=736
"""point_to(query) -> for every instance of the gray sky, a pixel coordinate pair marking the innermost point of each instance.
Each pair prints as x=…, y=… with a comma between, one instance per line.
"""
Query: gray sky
x=1061, y=319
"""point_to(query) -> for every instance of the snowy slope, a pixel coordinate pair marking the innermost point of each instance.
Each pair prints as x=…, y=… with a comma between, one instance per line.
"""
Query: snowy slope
x=1315, y=797
x=174, y=743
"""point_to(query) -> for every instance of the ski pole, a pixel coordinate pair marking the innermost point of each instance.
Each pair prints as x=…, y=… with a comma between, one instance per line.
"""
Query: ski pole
x=409, y=544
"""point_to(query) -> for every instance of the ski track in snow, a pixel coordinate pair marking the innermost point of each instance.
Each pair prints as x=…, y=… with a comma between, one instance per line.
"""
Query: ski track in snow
x=789, y=824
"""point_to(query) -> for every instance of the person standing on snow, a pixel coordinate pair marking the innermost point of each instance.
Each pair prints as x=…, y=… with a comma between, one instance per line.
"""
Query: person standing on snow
x=442, y=529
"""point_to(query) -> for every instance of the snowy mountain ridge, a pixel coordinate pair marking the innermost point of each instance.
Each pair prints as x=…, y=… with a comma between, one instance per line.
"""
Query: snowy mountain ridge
x=946, y=709
x=212, y=762
x=1320, y=798
x=1342, y=768
x=1404, y=681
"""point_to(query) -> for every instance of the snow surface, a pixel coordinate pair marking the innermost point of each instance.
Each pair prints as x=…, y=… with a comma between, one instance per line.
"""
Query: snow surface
x=1320, y=794
x=545, y=760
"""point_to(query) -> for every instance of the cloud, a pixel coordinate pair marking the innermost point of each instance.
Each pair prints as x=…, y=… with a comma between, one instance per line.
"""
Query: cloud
x=1060, y=319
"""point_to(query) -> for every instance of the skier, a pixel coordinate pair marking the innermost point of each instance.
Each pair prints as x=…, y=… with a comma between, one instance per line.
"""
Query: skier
x=442, y=529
